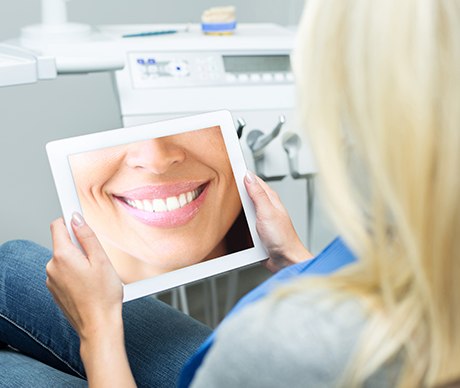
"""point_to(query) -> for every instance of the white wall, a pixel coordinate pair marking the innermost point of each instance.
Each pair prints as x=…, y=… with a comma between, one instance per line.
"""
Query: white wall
x=32, y=115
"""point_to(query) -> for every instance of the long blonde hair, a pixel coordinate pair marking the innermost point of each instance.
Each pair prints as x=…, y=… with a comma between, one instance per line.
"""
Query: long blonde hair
x=379, y=91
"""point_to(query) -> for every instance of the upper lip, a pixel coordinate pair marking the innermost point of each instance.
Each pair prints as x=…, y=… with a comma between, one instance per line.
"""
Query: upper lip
x=162, y=191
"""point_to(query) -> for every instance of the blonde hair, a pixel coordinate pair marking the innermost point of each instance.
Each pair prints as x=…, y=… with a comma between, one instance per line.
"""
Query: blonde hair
x=379, y=91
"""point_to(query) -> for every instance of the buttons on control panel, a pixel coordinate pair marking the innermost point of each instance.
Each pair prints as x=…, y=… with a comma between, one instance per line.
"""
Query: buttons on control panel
x=151, y=68
x=258, y=78
x=267, y=77
x=230, y=77
x=243, y=77
x=177, y=68
x=196, y=69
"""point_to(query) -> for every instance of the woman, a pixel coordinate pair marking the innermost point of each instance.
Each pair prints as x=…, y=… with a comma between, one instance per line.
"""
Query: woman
x=162, y=204
x=379, y=89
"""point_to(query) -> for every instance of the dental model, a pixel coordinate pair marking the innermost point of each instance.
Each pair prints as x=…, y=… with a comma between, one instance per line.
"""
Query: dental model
x=219, y=20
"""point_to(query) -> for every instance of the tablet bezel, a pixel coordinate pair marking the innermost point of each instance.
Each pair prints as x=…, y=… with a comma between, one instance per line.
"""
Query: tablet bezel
x=58, y=154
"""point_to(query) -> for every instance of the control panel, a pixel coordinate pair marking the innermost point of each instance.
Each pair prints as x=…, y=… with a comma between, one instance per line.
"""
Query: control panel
x=166, y=70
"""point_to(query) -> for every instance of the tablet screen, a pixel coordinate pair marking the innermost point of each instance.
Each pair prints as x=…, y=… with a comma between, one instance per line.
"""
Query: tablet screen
x=162, y=204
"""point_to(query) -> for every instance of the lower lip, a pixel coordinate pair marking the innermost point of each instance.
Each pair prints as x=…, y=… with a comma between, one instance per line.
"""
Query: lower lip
x=169, y=219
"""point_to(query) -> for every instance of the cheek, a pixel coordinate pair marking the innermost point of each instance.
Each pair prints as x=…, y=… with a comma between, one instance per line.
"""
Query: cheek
x=216, y=159
x=230, y=202
x=90, y=178
x=226, y=180
x=95, y=168
x=234, y=200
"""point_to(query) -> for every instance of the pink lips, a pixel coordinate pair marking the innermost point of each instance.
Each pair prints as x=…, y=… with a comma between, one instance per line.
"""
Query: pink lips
x=166, y=219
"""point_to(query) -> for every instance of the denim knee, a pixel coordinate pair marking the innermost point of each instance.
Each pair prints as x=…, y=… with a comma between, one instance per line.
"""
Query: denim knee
x=22, y=260
x=23, y=251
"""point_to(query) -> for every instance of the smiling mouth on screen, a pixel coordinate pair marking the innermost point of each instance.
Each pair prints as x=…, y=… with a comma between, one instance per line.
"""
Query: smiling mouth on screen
x=164, y=206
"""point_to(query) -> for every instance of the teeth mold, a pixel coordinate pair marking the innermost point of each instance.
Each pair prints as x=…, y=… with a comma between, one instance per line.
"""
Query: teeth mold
x=219, y=21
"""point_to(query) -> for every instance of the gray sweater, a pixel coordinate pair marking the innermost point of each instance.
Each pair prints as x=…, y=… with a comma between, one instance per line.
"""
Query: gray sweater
x=305, y=340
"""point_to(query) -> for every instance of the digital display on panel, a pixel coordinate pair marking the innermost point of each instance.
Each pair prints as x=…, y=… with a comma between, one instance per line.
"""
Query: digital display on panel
x=256, y=63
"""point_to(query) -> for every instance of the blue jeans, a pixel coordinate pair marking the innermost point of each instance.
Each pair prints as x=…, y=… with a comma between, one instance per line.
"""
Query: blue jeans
x=159, y=339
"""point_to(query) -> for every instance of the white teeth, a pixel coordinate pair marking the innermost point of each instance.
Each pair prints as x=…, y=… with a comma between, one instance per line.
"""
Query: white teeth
x=148, y=205
x=164, y=205
x=172, y=203
x=182, y=200
x=159, y=205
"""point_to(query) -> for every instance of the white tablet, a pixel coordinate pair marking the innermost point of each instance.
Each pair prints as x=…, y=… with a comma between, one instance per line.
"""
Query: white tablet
x=166, y=200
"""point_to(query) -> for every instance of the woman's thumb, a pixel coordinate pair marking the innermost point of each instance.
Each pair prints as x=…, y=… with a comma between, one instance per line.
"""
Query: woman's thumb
x=256, y=192
x=86, y=237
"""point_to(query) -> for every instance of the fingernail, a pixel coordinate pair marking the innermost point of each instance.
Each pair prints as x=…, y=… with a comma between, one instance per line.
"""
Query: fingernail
x=77, y=219
x=250, y=178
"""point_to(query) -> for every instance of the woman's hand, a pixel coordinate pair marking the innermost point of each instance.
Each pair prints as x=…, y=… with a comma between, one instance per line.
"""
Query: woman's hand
x=85, y=286
x=89, y=291
x=274, y=226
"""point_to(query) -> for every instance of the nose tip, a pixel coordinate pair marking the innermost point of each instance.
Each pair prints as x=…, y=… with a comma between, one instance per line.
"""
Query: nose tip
x=156, y=156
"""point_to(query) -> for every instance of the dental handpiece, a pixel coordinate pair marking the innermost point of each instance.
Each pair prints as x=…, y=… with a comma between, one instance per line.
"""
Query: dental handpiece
x=257, y=140
x=291, y=144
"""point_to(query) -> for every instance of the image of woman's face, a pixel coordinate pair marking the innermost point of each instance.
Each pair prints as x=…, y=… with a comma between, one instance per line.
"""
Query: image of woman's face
x=161, y=204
